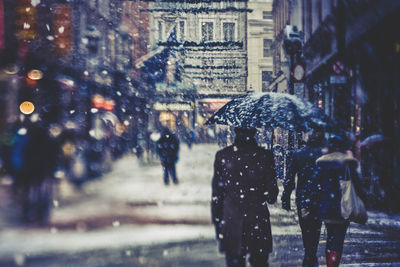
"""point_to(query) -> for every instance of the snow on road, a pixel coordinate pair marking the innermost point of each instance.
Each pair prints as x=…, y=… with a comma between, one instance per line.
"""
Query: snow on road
x=131, y=206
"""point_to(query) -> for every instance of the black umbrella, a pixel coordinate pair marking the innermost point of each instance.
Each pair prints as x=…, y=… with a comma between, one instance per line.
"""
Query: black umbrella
x=272, y=110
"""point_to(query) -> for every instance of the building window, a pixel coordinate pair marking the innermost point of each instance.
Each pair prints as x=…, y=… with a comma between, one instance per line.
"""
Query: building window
x=229, y=31
x=181, y=31
x=267, y=47
x=266, y=78
x=267, y=15
x=207, y=31
x=160, y=31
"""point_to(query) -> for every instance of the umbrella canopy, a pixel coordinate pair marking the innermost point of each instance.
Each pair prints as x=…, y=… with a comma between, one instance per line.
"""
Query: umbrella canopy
x=271, y=110
x=372, y=140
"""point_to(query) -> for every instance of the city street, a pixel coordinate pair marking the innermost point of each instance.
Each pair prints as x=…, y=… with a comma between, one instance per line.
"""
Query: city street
x=130, y=218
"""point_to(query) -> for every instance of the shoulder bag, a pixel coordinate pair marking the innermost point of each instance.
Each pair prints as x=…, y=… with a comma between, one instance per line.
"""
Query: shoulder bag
x=352, y=207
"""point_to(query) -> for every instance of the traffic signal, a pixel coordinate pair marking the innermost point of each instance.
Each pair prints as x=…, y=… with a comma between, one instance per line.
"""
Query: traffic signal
x=62, y=21
x=25, y=17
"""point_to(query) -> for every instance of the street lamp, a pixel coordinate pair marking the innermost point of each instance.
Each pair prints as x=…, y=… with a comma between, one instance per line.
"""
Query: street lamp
x=293, y=46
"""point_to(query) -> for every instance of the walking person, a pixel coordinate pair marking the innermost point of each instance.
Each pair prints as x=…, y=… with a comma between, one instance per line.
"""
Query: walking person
x=332, y=168
x=168, y=150
x=243, y=183
x=303, y=165
x=33, y=160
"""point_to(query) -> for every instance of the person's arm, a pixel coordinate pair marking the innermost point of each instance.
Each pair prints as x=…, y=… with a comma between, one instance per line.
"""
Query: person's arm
x=289, y=182
x=217, y=198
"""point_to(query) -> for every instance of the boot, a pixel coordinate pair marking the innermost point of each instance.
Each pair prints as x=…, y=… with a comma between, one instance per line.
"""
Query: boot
x=332, y=258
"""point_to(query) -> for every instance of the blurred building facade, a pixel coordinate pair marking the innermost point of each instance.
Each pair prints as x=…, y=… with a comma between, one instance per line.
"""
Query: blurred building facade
x=349, y=72
x=84, y=53
x=209, y=50
x=259, y=41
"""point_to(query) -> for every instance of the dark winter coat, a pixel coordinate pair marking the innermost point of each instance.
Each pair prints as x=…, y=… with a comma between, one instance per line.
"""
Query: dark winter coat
x=37, y=156
x=244, y=181
x=332, y=169
x=303, y=164
x=168, y=148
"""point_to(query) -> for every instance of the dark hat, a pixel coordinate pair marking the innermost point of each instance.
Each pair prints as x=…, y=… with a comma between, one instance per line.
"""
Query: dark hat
x=245, y=131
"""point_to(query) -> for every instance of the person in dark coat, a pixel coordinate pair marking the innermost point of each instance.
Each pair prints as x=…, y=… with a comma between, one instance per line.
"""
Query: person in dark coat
x=244, y=182
x=34, y=159
x=331, y=168
x=168, y=150
x=303, y=165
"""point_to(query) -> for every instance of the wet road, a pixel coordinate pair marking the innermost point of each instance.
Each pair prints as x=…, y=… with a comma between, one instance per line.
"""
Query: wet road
x=361, y=249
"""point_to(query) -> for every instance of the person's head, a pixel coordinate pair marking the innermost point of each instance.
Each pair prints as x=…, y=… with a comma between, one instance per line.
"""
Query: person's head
x=166, y=131
x=337, y=143
x=245, y=134
x=316, y=139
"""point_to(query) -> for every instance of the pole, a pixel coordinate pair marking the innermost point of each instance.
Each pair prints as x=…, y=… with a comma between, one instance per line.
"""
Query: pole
x=291, y=91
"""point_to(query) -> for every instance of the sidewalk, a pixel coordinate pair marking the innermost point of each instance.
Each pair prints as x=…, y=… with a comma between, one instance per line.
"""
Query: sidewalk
x=128, y=206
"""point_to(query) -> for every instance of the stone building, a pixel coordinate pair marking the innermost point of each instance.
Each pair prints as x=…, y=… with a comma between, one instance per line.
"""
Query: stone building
x=259, y=41
x=211, y=49
x=350, y=54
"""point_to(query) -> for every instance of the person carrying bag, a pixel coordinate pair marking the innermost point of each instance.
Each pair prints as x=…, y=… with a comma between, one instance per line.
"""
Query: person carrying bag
x=339, y=196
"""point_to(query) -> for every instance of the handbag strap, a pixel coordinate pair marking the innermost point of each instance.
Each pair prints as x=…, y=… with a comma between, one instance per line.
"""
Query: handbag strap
x=347, y=173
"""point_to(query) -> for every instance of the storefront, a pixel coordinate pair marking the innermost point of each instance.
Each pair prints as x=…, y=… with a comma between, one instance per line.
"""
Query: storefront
x=174, y=115
x=205, y=108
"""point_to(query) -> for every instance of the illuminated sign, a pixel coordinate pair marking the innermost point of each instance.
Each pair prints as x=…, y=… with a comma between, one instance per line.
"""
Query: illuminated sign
x=97, y=101
x=25, y=19
x=213, y=104
x=173, y=106
x=62, y=26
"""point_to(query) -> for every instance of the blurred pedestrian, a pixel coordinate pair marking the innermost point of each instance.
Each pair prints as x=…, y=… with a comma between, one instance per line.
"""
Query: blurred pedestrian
x=279, y=160
x=33, y=160
x=331, y=168
x=303, y=165
x=168, y=150
x=244, y=182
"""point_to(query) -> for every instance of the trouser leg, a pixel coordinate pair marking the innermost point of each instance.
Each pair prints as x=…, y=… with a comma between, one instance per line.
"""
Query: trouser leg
x=173, y=173
x=259, y=259
x=335, y=236
x=334, y=244
x=166, y=179
x=235, y=260
x=310, y=231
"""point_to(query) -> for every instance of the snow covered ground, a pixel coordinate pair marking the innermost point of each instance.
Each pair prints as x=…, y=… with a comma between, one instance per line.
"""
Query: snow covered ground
x=131, y=206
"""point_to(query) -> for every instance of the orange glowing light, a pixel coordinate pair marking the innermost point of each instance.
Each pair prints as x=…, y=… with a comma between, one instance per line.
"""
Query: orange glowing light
x=109, y=104
x=35, y=75
x=97, y=101
x=27, y=107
